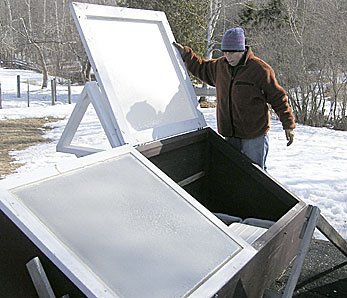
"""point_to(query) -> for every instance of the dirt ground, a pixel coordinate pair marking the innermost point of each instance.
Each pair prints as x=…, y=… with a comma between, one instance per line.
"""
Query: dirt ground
x=324, y=274
x=19, y=134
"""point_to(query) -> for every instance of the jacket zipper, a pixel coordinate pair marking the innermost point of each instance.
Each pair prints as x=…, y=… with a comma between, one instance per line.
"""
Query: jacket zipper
x=233, y=74
x=231, y=108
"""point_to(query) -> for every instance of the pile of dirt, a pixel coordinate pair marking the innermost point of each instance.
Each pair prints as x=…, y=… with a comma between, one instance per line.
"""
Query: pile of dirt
x=206, y=104
x=19, y=134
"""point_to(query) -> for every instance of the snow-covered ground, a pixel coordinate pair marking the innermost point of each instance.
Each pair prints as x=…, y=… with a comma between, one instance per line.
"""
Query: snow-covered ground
x=314, y=167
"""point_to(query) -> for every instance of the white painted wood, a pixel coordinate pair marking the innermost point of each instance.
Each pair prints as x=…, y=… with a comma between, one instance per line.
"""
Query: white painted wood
x=205, y=91
x=39, y=278
x=140, y=72
x=90, y=94
x=191, y=179
x=31, y=204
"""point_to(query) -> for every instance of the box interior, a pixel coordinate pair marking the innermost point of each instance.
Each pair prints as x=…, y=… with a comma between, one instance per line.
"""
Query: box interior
x=219, y=177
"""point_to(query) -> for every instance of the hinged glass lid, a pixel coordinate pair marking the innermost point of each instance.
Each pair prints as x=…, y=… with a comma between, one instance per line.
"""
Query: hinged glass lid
x=140, y=239
x=139, y=71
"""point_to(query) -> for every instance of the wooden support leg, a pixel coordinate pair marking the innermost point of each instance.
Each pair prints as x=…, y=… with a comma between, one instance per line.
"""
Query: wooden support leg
x=313, y=218
x=39, y=278
x=334, y=237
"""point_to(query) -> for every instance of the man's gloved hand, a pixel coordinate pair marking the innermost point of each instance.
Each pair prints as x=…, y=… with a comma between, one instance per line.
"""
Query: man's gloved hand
x=179, y=47
x=289, y=136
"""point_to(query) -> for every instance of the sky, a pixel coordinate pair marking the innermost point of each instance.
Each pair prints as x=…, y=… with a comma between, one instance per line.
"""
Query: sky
x=314, y=167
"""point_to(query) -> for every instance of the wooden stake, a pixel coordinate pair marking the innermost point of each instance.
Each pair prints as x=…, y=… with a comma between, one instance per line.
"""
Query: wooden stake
x=0, y=97
x=69, y=91
x=18, y=85
x=28, y=96
x=53, y=92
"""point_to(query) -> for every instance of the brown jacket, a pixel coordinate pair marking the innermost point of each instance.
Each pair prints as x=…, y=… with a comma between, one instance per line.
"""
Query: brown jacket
x=243, y=94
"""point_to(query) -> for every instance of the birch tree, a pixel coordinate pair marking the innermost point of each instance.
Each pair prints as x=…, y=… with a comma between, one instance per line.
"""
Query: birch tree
x=8, y=6
x=215, y=8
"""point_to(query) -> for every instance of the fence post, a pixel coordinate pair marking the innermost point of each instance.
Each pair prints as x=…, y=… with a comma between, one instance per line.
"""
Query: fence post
x=53, y=91
x=69, y=91
x=28, y=96
x=18, y=85
x=0, y=97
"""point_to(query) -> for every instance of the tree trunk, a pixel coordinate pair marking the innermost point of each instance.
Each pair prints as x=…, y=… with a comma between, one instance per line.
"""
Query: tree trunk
x=44, y=66
x=214, y=13
x=9, y=11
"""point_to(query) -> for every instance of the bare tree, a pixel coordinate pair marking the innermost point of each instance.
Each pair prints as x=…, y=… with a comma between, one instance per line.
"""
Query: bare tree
x=319, y=28
x=303, y=40
x=215, y=9
x=8, y=5
x=305, y=44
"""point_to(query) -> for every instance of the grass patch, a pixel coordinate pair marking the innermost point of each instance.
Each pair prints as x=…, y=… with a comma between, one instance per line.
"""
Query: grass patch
x=19, y=134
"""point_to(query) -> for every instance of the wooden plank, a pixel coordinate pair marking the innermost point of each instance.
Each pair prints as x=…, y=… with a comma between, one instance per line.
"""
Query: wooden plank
x=205, y=91
x=313, y=218
x=159, y=147
x=335, y=238
x=39, y=278
x=191, y=179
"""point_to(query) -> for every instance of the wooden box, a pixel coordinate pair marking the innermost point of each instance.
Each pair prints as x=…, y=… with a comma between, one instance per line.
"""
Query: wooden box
x=148, y=109
x=227, y=182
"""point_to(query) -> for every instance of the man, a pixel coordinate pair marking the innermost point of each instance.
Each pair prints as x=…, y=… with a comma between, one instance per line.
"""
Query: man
x=245, y=86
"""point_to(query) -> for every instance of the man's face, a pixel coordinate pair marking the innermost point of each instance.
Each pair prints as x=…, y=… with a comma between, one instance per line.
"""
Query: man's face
x=233, y=57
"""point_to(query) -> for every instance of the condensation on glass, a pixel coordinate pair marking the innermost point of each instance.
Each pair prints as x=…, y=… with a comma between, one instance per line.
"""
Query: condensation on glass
x=135, y=232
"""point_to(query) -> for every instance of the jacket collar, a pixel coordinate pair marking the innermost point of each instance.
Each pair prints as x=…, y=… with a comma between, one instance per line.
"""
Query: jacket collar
x=249, y=54
x=246, y=56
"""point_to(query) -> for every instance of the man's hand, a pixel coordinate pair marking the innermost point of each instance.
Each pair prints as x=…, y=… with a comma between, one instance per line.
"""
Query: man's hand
x=289, y=136
x=179, y=47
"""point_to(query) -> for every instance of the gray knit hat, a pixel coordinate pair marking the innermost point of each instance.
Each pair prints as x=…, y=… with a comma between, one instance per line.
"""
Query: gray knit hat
x=234, y=40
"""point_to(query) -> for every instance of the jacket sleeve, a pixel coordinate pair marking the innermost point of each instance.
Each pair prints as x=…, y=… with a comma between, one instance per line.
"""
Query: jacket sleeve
x=205, y=70
x=277, y=98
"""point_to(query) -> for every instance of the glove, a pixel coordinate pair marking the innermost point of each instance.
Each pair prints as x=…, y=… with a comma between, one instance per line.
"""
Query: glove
x=179, y=47
x=289, y=136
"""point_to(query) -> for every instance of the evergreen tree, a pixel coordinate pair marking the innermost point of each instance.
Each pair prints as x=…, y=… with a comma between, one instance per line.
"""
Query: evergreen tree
x=187, y=19
x=272, y=14
x=248, y=14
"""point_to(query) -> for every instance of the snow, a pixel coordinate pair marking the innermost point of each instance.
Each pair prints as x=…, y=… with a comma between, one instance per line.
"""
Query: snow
x=313, y=167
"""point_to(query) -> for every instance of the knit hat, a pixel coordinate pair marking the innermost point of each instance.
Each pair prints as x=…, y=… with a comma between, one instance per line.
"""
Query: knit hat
x=233, y=40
